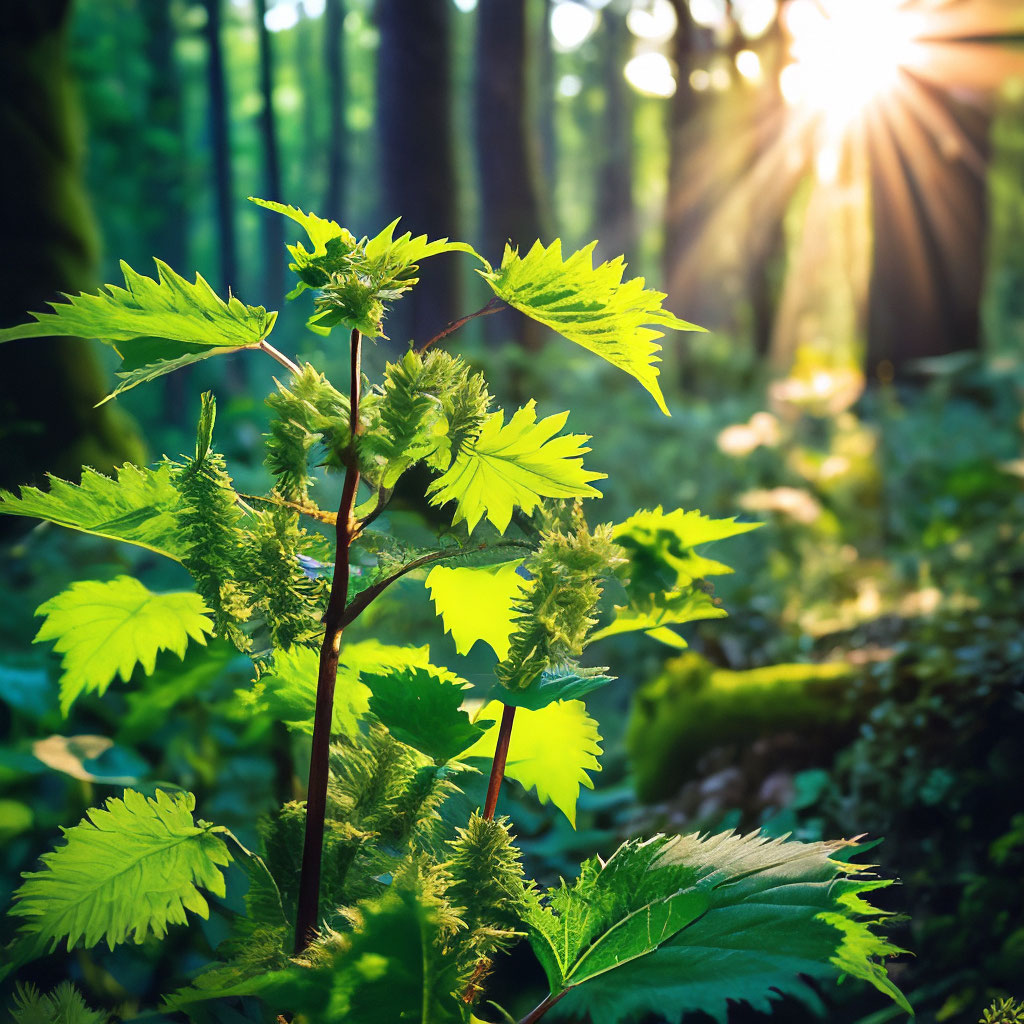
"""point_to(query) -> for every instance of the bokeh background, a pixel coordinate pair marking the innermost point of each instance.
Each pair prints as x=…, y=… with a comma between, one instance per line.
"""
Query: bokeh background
x=835, y=188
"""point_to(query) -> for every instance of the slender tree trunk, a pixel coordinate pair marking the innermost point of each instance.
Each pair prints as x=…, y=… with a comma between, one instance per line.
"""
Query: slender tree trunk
x=334, y=62
x=416, y=161
x=929, y=235
x=545, y=112
x=273, y=227
x=220, y=144
x=616, y=213
x=48, y=387
x=506, y=159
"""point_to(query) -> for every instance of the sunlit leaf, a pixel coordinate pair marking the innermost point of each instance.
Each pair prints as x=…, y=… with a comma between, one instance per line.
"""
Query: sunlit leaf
x=590, y=305
x=137, y=507
x=515, y=465
x=106, y=629
x=551, y=750
x=128, y=870
x=555, y=684
x=475, y=603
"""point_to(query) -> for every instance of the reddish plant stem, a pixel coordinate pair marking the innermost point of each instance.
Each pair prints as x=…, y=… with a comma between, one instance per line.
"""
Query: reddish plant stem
x=542, y=1007
x=494, y=306
x=316, y=794
x=498, y=764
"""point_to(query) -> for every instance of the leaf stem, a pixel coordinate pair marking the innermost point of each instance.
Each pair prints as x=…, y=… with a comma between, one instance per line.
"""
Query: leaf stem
x=498, y=764
x=542, y=1007
x=265, y=346
x=316, y=793
x=494, y=306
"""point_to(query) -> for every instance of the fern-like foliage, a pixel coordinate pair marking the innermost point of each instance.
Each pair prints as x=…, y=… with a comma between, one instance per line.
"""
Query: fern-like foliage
x=63, y=1005
x=210, y=522
x=308, y=413
x=487, y=890
x=556, y=613
x=1003, y=1011
x=590, y=305
x=128, y=870
x=137, y=507
x=271, y=576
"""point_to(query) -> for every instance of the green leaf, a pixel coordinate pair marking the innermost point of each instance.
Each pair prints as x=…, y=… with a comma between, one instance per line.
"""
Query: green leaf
x=515, y=465
x=422, y=706
x=106, y=629
x=145, y=359
x=169, y=308
x=568, y=683
x=476, y=603
x=776, y=910
x=590, y=305
x=662, y=611
x=616, y=911
x=551, y=750
x=129, y=869
x=137, y=507
x=288, y=688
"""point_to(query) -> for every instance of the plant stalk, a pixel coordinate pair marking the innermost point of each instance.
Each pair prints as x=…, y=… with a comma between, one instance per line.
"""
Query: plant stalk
x=542, y=1007
x=316, y=793
x=280, y=357
x=494, y=306
x=508, y=715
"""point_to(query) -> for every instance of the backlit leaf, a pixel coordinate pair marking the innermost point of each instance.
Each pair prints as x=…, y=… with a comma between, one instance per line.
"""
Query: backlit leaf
x=106, y=629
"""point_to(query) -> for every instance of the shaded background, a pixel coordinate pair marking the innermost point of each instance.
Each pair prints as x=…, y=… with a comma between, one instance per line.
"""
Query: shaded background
x=834, y=190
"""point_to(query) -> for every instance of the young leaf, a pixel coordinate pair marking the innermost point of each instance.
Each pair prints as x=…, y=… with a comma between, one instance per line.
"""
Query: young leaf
x=616, y=911
x=777, y=910
x=515, y=465
x=129, y=869
x=551, y=750
x=422, y=706
x=137, y=507
x=659, y=612
x=106, y=629
x=476, y=603
x=589, y=305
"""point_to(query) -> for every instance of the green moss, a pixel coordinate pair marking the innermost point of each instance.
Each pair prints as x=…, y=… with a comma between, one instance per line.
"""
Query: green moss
x=693, y=707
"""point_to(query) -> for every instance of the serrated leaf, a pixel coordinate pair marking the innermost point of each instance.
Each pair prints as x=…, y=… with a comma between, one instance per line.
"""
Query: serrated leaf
x=169, y=307
x=515, y=465
x=63, y=1005
x=476, y=603
x=145, y=359
x=128, y=870
x=551, y=750
x=590, y=305
x=287, y=689
x=422, y=706
x=552, y=685
x=662, y=611
x=106, y=629
x=616, y=911
x=137, y=507
x=774, y=915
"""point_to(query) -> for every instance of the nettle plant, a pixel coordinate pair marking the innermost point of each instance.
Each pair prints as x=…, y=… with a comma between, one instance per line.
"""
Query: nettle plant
x=366, y=902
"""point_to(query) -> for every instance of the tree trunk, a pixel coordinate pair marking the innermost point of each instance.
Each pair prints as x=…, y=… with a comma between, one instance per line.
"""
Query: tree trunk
x=616, y=214
x=273, y=227
x=415, y=152
x=929, y=205
x=220, y=144
x=334, y=62
x=48, y=387
x=506, y=159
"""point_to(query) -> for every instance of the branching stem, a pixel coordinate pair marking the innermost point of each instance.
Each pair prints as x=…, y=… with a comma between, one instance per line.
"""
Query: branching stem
x=508, y=715
x=494, y=306
x=542, y=1007
x=316, y=793
x=280, y=357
